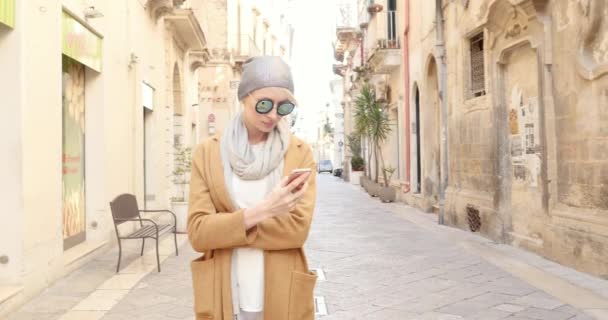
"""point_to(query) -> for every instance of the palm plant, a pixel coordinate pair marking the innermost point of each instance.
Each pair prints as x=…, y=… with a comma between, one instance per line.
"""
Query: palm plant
x=372, y=123
x=380, y=128
x=364, y=104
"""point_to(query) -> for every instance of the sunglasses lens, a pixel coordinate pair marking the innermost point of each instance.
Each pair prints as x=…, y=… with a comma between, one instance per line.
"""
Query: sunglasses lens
x=264, y=106
x=285, y=108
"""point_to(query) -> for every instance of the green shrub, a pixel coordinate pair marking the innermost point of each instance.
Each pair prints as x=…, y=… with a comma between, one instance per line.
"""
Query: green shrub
x=357, y=163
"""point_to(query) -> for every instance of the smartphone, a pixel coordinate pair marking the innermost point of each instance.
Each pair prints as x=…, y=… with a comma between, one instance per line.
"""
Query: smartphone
x=295, y=174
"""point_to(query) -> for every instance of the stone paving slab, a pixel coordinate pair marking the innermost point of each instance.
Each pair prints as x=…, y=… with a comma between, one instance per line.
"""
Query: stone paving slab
x=378, y=266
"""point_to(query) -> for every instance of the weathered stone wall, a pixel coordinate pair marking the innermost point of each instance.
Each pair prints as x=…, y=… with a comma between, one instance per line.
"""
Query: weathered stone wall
x=531, y=155
x=579, y=224
x=421, y=59
x=581, y=105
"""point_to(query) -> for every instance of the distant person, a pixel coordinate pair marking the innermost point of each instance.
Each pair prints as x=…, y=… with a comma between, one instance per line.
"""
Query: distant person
x=245, y=215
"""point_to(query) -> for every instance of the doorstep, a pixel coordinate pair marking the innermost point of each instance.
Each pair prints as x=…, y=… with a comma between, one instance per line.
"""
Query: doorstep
x=81, y=251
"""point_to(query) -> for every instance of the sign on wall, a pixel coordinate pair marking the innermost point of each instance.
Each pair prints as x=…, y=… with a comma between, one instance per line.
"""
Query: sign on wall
x=7, y=13
x=147, y=95
x=80, y=43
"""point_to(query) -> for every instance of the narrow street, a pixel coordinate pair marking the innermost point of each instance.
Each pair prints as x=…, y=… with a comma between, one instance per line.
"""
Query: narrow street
x=380, y=261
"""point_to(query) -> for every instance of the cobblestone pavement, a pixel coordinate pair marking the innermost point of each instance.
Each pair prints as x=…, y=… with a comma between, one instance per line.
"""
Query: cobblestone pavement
x=381, y=261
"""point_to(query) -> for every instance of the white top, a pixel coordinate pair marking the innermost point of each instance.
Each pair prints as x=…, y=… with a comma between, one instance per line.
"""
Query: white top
x=248, y=263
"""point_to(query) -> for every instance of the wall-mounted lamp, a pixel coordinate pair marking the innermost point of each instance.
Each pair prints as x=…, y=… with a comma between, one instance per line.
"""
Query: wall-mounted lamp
x=92, y=13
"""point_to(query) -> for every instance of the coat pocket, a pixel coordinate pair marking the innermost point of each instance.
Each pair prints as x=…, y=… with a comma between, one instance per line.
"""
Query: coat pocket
x=301, y=300
x=203, y=283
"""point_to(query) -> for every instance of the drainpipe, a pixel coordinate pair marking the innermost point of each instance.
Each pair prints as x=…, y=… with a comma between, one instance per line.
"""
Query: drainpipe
x=406, y=80
x=441, y=69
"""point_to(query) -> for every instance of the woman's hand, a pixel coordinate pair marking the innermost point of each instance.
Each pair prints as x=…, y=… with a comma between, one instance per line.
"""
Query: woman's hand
x=281, y=200
x=284, y=197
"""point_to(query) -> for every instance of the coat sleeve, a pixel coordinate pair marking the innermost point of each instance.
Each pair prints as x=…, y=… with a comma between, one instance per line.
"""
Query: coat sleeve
x=290, y=231
x=207, y=228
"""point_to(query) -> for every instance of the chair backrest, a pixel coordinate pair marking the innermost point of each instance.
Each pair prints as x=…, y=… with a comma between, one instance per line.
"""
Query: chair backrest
x=124, y=207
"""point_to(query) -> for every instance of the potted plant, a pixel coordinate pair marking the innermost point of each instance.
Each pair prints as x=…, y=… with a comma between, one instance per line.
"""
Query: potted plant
x=372, y=122
x=362, y=122
x=380, y=128
x=181, y=179
x=357, y=163
x=368, y=116
x=387, y=192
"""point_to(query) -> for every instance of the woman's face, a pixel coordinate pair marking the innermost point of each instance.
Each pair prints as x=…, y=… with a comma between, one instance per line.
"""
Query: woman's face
x=264, y=122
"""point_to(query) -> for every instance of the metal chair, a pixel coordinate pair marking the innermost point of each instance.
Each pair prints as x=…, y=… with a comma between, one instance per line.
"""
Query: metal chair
x=124, y=208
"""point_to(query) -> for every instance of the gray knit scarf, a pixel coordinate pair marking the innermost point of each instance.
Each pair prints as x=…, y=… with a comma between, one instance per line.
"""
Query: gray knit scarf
x=253, y=163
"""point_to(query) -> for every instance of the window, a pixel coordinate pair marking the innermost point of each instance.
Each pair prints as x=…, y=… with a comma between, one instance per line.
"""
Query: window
x=392, y=24
x=529, y=138
x=478, y=88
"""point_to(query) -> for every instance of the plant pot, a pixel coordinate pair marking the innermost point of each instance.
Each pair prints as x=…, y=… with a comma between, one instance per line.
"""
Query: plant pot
x=373, y=189
x=356, y=177
x=387, y=194
x=181, y=213
x=365, y=182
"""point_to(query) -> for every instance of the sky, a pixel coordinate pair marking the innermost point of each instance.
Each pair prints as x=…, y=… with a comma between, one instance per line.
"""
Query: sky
x=312, y=60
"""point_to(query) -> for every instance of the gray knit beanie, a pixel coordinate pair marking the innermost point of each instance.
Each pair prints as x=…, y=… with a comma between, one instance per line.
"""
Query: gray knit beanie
x=263, y=72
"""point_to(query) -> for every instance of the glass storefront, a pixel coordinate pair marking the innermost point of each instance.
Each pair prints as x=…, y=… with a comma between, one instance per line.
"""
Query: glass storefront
x=74, y=224
x=81, y=51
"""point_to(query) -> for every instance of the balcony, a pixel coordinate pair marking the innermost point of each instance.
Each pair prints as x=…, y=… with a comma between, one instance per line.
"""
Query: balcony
x=245, y=49
x=187, y=28
x=383, y=44
x=347, y=40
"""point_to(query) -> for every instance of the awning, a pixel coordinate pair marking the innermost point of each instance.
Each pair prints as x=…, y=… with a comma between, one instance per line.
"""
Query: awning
x=7, y=13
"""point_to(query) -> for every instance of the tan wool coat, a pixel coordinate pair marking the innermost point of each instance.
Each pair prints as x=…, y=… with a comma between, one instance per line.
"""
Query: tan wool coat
x=215, y=228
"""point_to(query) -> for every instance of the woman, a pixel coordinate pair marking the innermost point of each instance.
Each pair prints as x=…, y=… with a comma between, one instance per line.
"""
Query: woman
x=245, y=217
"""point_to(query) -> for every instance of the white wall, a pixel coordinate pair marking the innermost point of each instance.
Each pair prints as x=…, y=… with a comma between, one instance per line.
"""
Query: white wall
x=11, y=189
x=31, y=129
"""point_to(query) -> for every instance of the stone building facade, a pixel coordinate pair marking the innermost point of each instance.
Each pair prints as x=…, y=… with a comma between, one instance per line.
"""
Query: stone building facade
x=368, y=48
x=241, y=29
x=504, y=126
x=526, y=127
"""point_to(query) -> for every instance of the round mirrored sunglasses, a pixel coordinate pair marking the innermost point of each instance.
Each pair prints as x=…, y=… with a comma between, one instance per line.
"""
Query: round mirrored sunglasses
x=264, y=106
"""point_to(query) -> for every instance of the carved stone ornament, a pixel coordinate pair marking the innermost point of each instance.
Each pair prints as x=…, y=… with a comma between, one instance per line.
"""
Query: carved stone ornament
x=159, y=8
x=504, y=19
x=593, y=30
